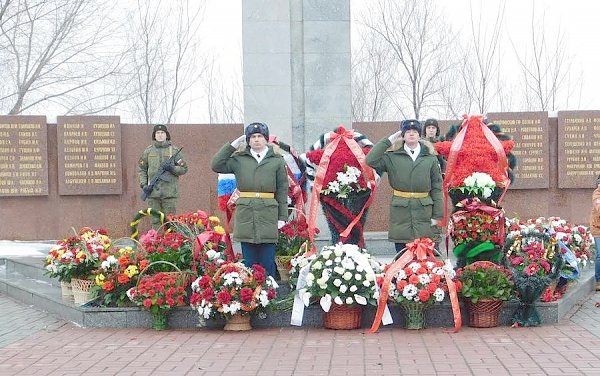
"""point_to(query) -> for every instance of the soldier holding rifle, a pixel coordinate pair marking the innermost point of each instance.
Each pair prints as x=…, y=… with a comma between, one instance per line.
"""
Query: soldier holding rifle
x=159, y=169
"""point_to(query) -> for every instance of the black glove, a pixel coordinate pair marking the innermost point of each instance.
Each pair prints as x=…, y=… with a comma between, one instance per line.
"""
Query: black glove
x=167, y=166
x=147, y=189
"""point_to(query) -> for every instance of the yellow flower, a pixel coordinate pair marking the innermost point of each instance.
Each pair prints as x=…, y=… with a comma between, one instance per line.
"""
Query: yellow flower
x=131, y=271
x=214, y=220
x=100, y=280
x=219, y=230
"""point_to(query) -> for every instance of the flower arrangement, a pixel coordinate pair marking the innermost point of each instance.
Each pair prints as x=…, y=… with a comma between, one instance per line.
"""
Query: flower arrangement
x=77, y=256
x=341, y=274
x=296, y=264
x=344, y=182
x=484, y=280
x=173, y=247
x=475, y=226
x=118, y=272
x=158, y=294
x=233, y=289
x=477, y=184
x=291, y=236
x=530, y=256
x=421, y=281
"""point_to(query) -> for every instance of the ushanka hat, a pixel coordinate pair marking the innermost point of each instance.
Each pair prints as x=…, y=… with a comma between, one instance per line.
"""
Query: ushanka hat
x=160, y=127
x=256, y=128
x=431, y=123
x=410, y=124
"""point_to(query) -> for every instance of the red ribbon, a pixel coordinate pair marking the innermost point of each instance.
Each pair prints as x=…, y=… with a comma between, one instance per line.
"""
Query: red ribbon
x=420, y=249
x=346, y=136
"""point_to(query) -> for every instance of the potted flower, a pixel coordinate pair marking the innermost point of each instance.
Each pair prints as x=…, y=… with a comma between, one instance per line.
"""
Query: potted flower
x=485, y=286
x=158, y=294
x=233, y=292
x=535, y=261
x=343, y=277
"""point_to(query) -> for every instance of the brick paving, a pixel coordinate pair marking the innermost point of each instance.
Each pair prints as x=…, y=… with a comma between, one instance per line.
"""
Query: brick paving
x=35, y=343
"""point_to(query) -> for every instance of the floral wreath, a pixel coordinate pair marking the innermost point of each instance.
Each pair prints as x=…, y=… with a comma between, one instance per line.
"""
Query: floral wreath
x=321, y=168
x=140, y=215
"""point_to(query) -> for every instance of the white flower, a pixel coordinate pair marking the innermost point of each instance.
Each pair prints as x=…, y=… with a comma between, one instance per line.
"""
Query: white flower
x=326, y=254
x=439, y=295
x=366, y=283
x=353, y=288
x=305, y=296
x=347, y=276
x=360, y=299
x=487, y=192
x=317, y=265
x=348, y=263
x=337, y=282
x=211, y=253
x=338, y=252
x=343, y=289
x=339, y=270
x=359, y=268
x=357, y=276
x=409, y=291
x=349, y=300
x=414, y=266
x=263, y=298
x=328, y=263
x=424, y=278
x=338, y=300
x=334, y=186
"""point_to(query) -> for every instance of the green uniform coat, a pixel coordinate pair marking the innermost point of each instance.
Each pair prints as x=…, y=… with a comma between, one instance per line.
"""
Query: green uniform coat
x=148, y=165
x=255, y=219
x=410, y=218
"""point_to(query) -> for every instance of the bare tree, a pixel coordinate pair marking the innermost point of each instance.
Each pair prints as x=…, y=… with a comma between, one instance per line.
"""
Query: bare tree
x=372, y=79
x=485, y=49
x=224, y=102
x=164, y=40
x=544, y=67
x=421, y=42
x=55, y=53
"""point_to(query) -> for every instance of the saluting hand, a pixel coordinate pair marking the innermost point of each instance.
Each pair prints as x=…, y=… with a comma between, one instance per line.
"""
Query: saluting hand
x=395, y=137
x=239, y=141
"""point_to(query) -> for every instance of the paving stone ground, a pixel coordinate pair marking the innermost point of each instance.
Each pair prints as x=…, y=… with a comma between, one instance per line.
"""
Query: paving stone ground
x=35, y=343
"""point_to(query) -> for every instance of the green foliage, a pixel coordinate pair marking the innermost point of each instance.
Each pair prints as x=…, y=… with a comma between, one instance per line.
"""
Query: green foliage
x=485, y=280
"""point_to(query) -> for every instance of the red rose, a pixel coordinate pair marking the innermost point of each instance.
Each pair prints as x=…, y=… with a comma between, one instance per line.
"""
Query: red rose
x=147, y=303
x=413, y=279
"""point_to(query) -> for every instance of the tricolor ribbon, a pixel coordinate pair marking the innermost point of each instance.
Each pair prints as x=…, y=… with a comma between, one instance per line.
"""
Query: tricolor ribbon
x=346, y=136
x=420, y=249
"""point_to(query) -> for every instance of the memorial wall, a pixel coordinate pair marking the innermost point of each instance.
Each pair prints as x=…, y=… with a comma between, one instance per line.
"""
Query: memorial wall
x=82, y=171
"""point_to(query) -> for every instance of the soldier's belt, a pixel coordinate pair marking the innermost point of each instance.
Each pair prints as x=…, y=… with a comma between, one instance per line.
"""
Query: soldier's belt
x=257, y=194
x=411, y=194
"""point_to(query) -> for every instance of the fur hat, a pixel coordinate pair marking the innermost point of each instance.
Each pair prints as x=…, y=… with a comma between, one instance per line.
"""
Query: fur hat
x=433, y=123
x=160, y=127
x=256, y=128
x=410, y=124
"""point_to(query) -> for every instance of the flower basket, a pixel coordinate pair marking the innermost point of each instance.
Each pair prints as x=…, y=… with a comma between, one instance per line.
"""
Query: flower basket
x=283, y=267
x=238, y=322
x=81, y=290
x=343, y=317
x=414, y=314
x=66, y=290
x=484, y=313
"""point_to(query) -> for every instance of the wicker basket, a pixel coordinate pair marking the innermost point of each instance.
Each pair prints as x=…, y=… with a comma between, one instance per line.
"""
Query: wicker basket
x=81, y=290
x=283, y=264
x=344, y=316
x=65, y=290
x=238, y=322
x=484, y=313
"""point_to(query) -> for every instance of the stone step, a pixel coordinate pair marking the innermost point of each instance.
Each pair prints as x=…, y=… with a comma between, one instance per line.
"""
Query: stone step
x=46, y=296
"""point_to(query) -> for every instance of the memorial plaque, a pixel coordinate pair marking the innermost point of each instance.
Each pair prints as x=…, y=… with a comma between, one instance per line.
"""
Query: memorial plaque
x=23, y=156
x=530, y=131
x=89, y=155
x=578, y=148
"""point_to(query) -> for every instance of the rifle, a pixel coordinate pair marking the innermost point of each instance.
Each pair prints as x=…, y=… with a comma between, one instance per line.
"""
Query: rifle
x=162, y=170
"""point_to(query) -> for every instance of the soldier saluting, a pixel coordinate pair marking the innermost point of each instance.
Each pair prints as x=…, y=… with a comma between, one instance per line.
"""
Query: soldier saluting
x=159, y=169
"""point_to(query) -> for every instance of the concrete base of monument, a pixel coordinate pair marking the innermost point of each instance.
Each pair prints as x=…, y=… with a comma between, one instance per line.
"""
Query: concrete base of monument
x=23, y=279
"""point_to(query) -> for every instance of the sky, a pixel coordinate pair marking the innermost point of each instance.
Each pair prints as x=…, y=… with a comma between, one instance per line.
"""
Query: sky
x=576, y=20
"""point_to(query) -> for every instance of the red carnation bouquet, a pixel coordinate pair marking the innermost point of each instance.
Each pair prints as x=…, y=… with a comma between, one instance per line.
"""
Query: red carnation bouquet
x=233, y=289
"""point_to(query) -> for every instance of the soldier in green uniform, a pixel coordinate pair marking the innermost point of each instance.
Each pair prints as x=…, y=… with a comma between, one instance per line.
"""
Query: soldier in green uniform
x=164, y=194
x=261, y=208
x=414, y=174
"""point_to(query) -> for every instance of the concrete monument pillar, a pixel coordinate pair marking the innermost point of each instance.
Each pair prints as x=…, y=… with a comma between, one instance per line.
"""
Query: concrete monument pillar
x=297, y=64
